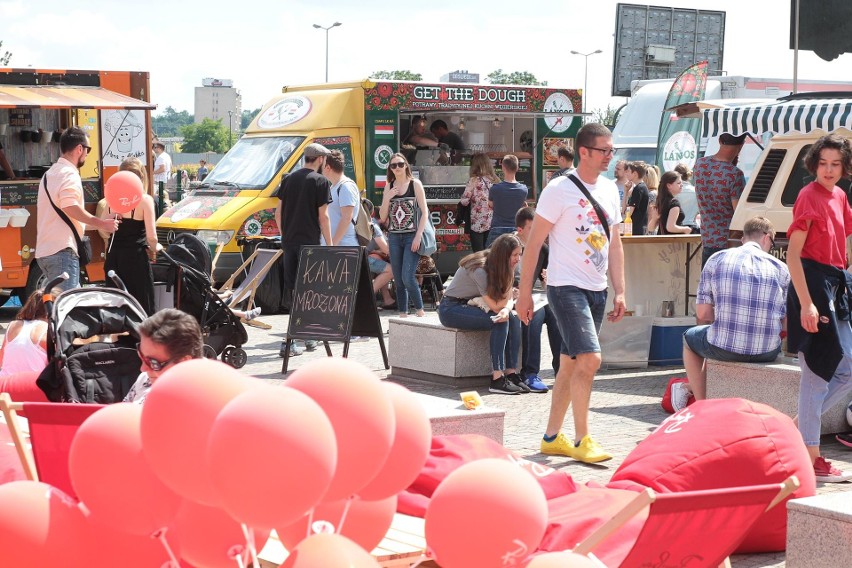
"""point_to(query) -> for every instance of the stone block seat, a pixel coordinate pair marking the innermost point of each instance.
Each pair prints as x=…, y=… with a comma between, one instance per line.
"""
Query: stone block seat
x=423, y=349
x=450, y=418
x=819, y=530
x=775, y=384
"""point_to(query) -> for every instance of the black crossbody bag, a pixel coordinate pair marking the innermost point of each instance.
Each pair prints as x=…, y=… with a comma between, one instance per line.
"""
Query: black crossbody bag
x=84, y=244
x=597, y=206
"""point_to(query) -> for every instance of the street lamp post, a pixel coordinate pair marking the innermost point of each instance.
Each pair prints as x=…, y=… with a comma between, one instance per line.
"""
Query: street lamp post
x=230, y=129
x=319, y=27
x=586, y=74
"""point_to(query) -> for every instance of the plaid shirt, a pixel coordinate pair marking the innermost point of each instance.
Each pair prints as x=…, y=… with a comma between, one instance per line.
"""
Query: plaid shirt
x=748, y=291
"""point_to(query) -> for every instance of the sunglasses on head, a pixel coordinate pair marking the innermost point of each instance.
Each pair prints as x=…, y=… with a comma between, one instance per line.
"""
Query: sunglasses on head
x=396, y=165
x=153, y=363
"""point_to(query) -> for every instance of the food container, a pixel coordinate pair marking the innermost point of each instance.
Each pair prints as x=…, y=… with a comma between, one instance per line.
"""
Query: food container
x=18, y=217
x=5, y=215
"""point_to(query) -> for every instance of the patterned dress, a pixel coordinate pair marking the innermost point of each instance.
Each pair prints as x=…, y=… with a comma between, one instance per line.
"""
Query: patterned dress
x=476, y=194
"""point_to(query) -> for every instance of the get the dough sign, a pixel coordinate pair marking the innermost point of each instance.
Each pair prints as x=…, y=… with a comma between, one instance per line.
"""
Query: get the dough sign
x=469, y=97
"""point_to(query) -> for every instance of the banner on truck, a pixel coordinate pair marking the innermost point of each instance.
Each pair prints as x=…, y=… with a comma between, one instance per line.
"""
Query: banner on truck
x=678, y=138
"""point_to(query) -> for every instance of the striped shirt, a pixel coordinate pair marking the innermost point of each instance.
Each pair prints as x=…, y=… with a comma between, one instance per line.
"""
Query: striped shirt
x=748, y=290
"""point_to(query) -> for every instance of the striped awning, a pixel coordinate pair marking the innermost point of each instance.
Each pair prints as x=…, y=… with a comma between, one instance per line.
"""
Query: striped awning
x=67, y=97
x=803, y=115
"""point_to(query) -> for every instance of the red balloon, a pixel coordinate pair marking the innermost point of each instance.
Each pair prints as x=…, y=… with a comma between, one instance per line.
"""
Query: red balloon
x=110, y=475
x=271, y=456
x=366, y=522
x=562, y=560
x=210, y=537
x=360, y=412
x=176, y=420
x=410, y=450
x=109, y=548
x=40, y=526
x=329, y=551
x=485, y=512
x=123, y=192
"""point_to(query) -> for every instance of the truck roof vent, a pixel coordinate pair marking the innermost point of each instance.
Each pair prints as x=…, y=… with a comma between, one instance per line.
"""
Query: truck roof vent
x=764, y=178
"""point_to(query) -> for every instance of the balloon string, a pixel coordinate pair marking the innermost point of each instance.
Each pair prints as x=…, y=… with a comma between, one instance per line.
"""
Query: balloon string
x=345, y=512
x=310, y=522
x=112, y=237
x=160, y=535
x=250, y=543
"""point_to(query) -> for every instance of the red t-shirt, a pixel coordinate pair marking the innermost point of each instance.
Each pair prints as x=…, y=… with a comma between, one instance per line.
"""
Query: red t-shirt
x=831, y=223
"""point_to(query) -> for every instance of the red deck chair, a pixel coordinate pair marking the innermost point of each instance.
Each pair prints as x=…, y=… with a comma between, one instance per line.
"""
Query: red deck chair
x=52, y=427
x=698, y=528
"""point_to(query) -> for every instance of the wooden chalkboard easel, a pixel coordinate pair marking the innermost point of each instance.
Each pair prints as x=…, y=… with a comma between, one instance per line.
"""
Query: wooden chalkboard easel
x=333, y=300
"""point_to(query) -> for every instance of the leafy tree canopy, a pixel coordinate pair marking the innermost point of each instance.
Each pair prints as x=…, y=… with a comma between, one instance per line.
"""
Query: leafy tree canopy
x=498, y=77
x=399, y=75
x=247, y=117
x=207, y=136
x=170, y=121
x=605, y=116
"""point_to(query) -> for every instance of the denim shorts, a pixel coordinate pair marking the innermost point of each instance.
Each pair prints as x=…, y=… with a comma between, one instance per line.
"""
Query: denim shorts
x=377, y=265
x=579, y=315
x=696, y=339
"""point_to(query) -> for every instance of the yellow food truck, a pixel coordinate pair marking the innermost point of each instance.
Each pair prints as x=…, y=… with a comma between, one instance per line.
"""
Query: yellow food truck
x=368, y=121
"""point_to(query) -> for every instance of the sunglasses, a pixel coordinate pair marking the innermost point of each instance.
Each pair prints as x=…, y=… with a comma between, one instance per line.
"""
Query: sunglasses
x=88, y=148
x=396, y=165
x=153, y=363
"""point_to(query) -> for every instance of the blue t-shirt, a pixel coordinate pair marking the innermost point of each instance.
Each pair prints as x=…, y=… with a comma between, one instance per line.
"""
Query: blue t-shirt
x=344, y=194
x=508, y=198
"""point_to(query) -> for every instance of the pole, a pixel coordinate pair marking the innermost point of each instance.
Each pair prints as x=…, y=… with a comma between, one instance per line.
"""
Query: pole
x=585, y=75
x=796, y=50
x=319, y=27
x=230, y=129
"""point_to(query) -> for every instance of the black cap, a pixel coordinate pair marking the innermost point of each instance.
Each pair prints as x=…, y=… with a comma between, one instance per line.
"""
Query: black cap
x=731, y=140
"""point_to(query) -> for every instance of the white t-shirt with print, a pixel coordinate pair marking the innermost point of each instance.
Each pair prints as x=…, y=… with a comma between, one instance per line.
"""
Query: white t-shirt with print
x=578, y=245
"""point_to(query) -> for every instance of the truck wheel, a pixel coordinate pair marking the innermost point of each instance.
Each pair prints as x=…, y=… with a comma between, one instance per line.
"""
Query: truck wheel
x=35, y=280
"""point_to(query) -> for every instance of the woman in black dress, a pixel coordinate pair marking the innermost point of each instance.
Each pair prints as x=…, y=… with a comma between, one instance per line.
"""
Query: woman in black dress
x=134, y=244
x=671, y=213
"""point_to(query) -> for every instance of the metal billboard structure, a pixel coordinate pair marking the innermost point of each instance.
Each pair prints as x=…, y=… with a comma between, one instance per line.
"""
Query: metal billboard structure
x=658, y=42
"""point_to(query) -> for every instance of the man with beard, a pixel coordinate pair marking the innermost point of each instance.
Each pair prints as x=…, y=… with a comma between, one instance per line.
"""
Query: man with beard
x=56, y=245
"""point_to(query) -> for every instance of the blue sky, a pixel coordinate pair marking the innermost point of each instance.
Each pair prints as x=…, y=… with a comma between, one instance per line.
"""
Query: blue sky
x=263, y=44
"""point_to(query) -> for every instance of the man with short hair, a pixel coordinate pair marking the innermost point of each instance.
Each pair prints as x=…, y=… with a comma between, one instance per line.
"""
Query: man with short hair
x=418, y=136
x=743, y=293
x=580, y=256
x=718, y=185
x=162, y=163
x=565, y=160
x=345, y=200
x=302, y=217
x=505, y=198
x=451, y=139
x=202, y=170
x=637, y=204
x=56, y=245
x=621, y=181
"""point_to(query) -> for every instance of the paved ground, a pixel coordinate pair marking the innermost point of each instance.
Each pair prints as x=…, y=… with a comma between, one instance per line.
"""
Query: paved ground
x=625, y=407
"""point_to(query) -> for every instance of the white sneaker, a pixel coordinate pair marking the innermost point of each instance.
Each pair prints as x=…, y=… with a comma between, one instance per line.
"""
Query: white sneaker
x=680, y=396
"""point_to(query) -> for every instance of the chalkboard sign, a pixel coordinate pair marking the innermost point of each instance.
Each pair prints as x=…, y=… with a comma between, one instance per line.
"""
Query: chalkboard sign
x=333, y=299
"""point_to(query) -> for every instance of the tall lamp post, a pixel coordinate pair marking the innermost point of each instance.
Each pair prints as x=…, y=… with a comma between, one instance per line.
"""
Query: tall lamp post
x=319, y=27
x=230, y=129
x=586, y=74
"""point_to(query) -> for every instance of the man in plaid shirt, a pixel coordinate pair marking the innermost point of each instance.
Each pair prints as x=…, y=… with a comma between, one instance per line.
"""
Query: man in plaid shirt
x=743, y=293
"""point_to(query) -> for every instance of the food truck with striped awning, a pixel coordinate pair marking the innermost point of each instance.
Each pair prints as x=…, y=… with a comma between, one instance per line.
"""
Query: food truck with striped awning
x=36, y=105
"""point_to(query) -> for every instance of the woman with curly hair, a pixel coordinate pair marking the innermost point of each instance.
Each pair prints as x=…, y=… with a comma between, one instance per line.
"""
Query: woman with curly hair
x=477, y=195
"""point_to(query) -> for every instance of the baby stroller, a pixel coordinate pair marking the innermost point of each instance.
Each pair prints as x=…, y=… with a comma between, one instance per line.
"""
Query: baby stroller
x=91, y=344
x=186, y=265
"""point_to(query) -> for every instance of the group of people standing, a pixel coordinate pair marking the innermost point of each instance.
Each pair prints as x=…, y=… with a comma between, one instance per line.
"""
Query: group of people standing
x=664, y=205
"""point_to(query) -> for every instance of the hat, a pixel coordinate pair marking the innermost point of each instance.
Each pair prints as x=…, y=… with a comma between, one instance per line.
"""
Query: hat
x=731, y=140
x=315, y=150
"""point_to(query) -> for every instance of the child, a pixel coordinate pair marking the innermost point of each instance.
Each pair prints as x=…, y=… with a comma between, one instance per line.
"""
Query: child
x=816, y=257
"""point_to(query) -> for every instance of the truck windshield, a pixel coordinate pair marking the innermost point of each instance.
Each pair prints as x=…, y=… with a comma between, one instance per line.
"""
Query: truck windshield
x=252, y=162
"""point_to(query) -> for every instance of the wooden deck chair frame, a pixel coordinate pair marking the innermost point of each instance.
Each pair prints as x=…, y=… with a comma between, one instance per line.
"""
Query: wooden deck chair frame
x=648, y=497
x=254, y=276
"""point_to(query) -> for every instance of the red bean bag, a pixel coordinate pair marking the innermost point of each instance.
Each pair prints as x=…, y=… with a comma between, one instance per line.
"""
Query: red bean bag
x=22, y=387
x=721, y=443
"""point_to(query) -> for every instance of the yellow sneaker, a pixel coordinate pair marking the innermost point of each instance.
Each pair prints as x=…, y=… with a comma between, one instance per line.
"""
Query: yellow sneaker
x=589, y=451
x=561, y=446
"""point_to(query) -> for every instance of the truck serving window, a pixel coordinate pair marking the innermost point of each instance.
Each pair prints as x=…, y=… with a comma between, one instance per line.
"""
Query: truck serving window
x=252, y=162
x=799, y=178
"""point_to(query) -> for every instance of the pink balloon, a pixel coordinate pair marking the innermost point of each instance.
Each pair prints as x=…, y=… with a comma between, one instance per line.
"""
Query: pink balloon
x=110, y=475
x=176, y=420
x=485, y=512
x=329, y=551
x=123, y=192
x=360, y=412
x=210, y=537
x=411, y=443
x=271, y=456
x=40, y=526
x=561, y=560
x=366, y=522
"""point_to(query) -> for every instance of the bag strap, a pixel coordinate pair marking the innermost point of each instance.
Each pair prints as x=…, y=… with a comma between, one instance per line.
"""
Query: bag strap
x=62, y=215
x=597, y=206
x=354, y=220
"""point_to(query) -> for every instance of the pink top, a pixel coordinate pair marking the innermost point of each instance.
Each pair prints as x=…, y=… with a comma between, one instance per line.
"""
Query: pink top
x=21, y=354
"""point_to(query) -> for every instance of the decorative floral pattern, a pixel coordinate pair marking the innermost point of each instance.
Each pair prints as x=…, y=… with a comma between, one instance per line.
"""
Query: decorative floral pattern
x=387, y=96
x=476, y=194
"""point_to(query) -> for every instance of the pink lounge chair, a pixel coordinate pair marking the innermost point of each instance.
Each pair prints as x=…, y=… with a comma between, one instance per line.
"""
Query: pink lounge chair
x=700, y=528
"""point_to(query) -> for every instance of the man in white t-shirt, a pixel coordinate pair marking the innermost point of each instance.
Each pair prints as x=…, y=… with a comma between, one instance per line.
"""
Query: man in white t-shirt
x=345, y=200
x=580, y=256
x=162, y=164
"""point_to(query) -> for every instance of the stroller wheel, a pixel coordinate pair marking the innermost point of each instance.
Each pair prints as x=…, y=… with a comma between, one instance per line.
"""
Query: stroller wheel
x=226, y=354
x=237, y=357
x=209, y=352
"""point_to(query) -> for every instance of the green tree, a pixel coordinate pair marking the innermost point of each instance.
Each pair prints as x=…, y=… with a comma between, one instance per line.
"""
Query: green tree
x=399, y=75
x=5, y=57
x=207, y=136
x=247, y=117
x=498, y=77
x=605, y=116
x=170, y=121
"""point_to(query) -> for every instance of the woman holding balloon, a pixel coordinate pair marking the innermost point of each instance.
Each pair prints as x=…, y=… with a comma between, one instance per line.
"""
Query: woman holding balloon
x=134, y=244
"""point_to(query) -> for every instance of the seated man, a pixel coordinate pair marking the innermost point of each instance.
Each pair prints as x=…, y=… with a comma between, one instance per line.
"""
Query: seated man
x=743, y=293
x=167, y=337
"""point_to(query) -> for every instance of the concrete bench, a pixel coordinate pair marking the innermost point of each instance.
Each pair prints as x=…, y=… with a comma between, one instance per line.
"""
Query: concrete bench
x=819, y=530
x=450, y=417
x=775, y=384
x=425, y=350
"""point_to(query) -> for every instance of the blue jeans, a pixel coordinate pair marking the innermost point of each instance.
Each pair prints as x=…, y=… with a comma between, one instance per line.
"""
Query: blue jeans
x=505, y=336
x=579, y=314
x=531, y=341
x=696, y=339
x=65, y=260
x=404, y=266
x=495, y=232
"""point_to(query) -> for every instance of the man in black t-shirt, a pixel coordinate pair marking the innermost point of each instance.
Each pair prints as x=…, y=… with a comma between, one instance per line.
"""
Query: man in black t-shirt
x=452, y=140
x=637, y=205
x=302, y=214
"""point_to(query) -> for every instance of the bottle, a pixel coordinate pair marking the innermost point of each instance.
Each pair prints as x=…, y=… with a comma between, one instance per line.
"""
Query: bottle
x=628, y=225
